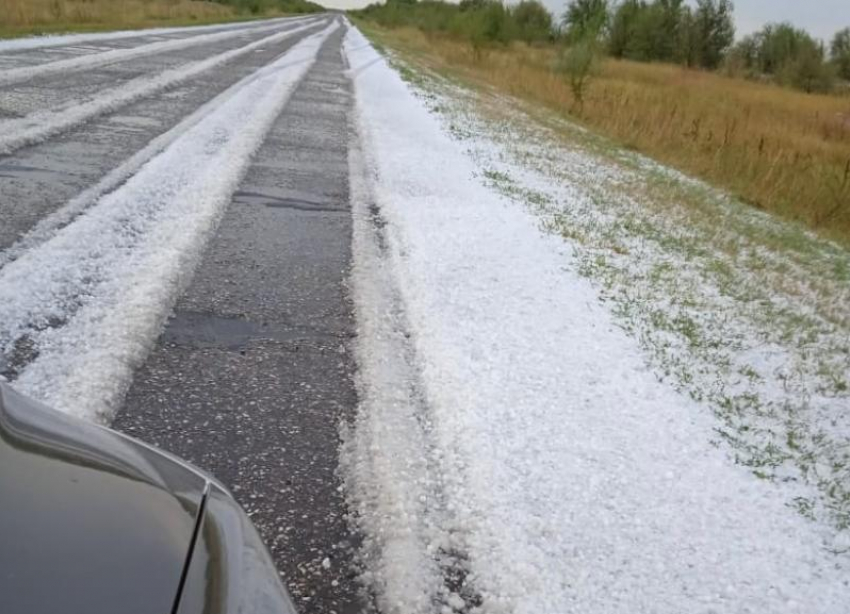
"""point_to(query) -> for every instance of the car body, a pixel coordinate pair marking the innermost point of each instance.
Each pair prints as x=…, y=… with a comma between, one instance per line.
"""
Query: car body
x=93, y=521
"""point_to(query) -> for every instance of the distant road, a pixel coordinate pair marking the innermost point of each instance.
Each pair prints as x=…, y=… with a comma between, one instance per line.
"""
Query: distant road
x=199, y=173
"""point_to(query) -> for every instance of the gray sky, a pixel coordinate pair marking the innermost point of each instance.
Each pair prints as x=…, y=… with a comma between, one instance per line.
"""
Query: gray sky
x=822, y=18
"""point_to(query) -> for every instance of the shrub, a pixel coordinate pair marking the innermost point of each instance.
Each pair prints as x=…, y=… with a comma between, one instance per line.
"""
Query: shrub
x=576, y=63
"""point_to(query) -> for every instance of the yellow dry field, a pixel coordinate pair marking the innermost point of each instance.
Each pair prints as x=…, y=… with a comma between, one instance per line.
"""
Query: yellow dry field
x=778, y=149
x=24, y=17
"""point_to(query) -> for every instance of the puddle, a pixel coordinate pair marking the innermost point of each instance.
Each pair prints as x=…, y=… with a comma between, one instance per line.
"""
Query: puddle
x=202, y=330
x=135, y=121
x=277, y=202
x=23, y=352
x=18, y=171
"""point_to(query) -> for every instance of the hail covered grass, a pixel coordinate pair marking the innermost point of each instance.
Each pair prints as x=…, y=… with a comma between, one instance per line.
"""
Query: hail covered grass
x=516, y=447
x=746, y=313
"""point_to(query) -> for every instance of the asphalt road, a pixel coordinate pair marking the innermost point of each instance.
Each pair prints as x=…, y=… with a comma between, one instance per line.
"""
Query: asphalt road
x=40, y=178
x=253, y=371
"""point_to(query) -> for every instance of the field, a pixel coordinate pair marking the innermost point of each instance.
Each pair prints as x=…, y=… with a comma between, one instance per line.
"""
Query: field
x=26, y=17
x=779, y=150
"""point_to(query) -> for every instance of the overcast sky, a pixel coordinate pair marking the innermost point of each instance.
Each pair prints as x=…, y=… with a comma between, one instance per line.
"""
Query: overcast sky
x=822, y=18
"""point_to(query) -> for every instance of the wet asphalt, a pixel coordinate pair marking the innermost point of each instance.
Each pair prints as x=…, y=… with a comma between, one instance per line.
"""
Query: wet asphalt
x=253, y=374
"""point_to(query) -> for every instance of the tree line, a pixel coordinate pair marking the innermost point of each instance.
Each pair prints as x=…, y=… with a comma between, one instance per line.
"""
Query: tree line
x=668, y=30
x=700, y=36
x=481, y=21
x=703, y=36
x=792, y=57
x=261, y=7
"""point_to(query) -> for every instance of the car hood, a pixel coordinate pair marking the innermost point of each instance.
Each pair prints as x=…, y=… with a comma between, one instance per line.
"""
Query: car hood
x=90, y=521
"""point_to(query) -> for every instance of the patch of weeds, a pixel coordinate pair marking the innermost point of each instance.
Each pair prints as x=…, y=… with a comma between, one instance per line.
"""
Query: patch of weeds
x=720, y=269
x=750, y=374
x=460, y=133
x=409, y=75
x=841, y=271
x=497, y=176
x=687, y=327
x=805, y=507
x=532, y=199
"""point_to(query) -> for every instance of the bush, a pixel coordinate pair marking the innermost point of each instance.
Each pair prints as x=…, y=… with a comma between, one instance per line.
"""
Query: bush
x=532, y=20
x=576, y=63
x=670, y=31
x=807, y=72
x=261, y=7
x=788, y=55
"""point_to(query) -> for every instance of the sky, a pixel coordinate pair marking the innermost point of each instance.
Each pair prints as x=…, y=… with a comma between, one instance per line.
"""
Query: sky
x=821, y=18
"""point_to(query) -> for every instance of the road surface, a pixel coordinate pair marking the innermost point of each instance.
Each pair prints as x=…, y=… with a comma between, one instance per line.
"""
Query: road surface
x=253, y=372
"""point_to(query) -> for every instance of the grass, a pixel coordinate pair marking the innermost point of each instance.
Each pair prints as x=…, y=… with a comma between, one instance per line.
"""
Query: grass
x=778, y=150
x=28, y=17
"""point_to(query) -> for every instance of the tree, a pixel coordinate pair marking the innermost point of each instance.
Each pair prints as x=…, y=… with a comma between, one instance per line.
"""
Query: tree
x=665, y=23
x=808, y=70
x=780, y=44
x=483, y=22
x=533, y=21
x=714, y=31
x=621, y=31
x=746, y=52
x=742, y=59
x=651, y=31
x=646, y=35
x=687, y=51
x=840, y=53
x=788, y=54
x=472, y=5
x=586, y=19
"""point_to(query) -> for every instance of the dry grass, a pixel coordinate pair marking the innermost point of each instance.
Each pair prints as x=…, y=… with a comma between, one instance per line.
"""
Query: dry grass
x=23, y=17
x=777, y=149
